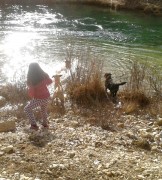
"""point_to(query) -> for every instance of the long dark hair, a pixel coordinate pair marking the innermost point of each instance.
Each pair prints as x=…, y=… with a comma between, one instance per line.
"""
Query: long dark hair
x=35, y=74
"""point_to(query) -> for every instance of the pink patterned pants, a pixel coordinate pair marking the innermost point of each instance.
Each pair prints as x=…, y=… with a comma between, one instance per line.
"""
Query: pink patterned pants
x=34, y=103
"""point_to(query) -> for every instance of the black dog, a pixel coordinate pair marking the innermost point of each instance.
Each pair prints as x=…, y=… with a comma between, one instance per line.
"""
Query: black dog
x=113, y=87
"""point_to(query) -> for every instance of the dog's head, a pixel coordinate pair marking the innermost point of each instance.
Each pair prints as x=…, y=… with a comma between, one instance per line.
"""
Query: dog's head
x=107, y=75
x=57, y=78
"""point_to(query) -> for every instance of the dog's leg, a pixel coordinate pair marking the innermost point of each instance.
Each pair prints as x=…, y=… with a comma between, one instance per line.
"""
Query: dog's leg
x=54, y=97
x=107, y=95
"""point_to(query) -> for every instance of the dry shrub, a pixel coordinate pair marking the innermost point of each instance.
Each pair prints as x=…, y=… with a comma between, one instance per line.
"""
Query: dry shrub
x=55, y=110
x=137, y=76
x=137, y=97
x=155, y=107
x=143, y=87
x=152, y=8
x=135, y=101
x=145, y=77
x=148, y=6
x=91, y=92
x=15, y=93
x=130, y=107
x=85, y=86
x=132, y=3
x=154, y=79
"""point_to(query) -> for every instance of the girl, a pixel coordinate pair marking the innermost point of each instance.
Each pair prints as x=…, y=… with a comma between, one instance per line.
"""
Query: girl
x=37, y=82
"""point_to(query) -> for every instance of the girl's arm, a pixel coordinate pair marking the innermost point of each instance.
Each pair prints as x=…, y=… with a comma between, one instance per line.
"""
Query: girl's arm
x=48, y=80
x=31, y=91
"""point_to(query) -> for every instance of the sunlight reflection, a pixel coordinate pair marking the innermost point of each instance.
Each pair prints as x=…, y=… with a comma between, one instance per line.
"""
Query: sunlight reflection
x=18, y=48
x=15, y=42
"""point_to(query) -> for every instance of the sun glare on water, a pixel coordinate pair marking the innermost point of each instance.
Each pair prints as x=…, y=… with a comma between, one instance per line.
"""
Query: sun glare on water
x=19, y=48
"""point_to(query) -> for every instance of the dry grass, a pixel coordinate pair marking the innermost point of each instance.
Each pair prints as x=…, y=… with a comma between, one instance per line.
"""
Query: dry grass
x=85, y=86
x=144, y=87
x=88, y=93
x=137, y=97
x=15, y=93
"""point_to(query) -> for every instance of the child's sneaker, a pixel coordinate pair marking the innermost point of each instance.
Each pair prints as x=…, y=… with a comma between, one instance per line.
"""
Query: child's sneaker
x=34, y=127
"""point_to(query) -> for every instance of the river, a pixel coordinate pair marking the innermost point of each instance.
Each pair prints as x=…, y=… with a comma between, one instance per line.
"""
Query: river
x=43, y=33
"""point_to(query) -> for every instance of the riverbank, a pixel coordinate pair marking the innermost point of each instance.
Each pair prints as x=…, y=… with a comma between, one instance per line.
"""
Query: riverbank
x=149, y=6
x=95, y=142
x=74, y=149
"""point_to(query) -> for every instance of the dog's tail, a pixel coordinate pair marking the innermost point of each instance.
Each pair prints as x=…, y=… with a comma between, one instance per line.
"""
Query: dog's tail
x=122, y=83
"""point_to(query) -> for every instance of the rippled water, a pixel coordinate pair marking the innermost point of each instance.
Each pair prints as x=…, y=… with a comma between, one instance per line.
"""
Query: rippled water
x=43, y=33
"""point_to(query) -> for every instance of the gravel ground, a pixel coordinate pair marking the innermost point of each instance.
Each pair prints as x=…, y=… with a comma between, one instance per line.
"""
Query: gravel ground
x=73, y=149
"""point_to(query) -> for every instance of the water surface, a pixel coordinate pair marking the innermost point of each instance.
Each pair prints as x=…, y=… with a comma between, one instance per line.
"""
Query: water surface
x=42, y=33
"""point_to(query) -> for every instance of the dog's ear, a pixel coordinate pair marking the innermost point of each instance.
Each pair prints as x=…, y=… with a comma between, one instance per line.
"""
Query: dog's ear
x=107, y=75
x=54, y=76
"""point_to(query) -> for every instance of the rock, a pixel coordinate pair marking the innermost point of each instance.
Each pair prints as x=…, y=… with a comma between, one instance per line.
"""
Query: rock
x=154, y=148
x=142, y=143
x=120, y=125
x=23, y=177
x=145, y=134
x=98, y=144
x=159, y=122
x=8, y=125
x=96, y=162
x=74, y=124
x=9, y=149
x=108, y=173
x=71, y=154
x=131, y=135
x=140, y=177
x=1, y=153
x=57, y=166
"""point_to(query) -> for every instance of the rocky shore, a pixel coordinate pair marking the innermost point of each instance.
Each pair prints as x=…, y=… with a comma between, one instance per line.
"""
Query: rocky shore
x=73, y=149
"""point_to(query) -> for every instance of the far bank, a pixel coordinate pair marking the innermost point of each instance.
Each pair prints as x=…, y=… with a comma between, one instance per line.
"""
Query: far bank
x=147, y=6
